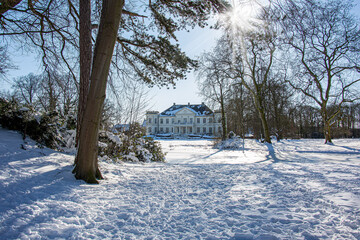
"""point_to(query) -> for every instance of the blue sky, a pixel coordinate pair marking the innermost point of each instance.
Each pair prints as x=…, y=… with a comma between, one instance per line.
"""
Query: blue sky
x=194, y=43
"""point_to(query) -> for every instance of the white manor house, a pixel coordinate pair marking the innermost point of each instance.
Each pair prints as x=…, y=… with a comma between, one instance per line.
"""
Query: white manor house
x=184, y=120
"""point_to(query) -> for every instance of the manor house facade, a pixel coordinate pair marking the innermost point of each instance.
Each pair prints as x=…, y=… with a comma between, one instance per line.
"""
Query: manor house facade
x=183, y=120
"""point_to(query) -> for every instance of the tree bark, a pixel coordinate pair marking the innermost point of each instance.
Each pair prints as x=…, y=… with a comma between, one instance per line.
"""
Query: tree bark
x=86, y=167
x=327, y=126
x=223, y=118
x=264, y=123
x=327, y=133
x=85, y=60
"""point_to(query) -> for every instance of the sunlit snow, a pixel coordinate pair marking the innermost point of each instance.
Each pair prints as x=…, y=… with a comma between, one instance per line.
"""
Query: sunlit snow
x=294, y=189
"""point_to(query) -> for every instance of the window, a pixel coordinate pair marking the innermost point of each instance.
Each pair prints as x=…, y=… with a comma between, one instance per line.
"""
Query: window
x=210, y=130
x=219, y=129
x=149, y=120
x=198, y=120
x=155, y=129
x=161, y=129
x=167, y=129
x=198, y=130
x=155, y=120
x=190, y=129
x=185, y=120
x=204, y=130
x=161, y=121
x=167, y=121
x=179, y=121
x=210, y=120
x=173, y=120
x=191, y=120
x=149, y=129
x=204, y=120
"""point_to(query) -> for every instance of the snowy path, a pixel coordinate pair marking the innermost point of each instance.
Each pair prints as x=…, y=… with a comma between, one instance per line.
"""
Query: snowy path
x=309, y=191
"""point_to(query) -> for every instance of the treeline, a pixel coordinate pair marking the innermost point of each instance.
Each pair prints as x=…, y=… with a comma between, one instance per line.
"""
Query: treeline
x=56, y=93
x=290, y=70
x=288, y=118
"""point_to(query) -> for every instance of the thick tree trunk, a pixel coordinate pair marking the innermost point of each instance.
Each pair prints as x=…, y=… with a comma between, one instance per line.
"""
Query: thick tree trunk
x=86, y=167
x=85, y=60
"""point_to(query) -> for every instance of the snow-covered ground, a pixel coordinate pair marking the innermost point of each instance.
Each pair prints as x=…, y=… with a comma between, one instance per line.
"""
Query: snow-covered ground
x=295, y=189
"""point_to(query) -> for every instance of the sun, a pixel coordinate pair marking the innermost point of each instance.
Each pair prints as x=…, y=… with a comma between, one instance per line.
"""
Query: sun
x=242, y=16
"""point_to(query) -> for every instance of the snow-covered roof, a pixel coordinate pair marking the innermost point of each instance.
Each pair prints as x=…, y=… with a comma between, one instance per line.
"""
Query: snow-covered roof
x=198, y=109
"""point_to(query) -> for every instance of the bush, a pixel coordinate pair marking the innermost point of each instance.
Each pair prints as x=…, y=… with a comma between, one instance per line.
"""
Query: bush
x=49, y=131
x=40, y=127
x=130, y=146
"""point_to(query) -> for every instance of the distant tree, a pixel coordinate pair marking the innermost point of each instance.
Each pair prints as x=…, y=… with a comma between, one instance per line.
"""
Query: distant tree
x=214, y=83
x=136, y=100
x=27, y=89
x=50, y=92
x=5, y=62
x=253, y=68
x=238, y=110
x=67, y=97
x=324, y=45
x=279, y=104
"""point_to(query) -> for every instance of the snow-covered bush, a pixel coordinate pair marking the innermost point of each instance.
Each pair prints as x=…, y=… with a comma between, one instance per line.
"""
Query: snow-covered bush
x=41, y=127
x=50, y=131
x=233, y=142
x=130, y=146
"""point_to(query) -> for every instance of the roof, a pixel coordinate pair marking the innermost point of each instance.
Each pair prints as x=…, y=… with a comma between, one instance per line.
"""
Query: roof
x=198, y=109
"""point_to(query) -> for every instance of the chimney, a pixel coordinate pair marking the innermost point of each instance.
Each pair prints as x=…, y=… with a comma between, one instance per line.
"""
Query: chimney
x=188, y=104
x=174, y=104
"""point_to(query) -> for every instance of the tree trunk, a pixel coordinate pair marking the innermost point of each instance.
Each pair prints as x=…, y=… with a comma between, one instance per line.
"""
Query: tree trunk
x=264, y=123
x=86, y=167
x=223, y=120
x=85, y=60
x=327, y=132
x=327, y=126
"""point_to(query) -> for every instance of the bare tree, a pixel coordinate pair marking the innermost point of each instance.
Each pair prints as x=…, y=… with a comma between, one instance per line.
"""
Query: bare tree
x=214, y=83
x=324, y=44
x=5, y=62
x=253, y=68
x=27, y=89
x=279, y=103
